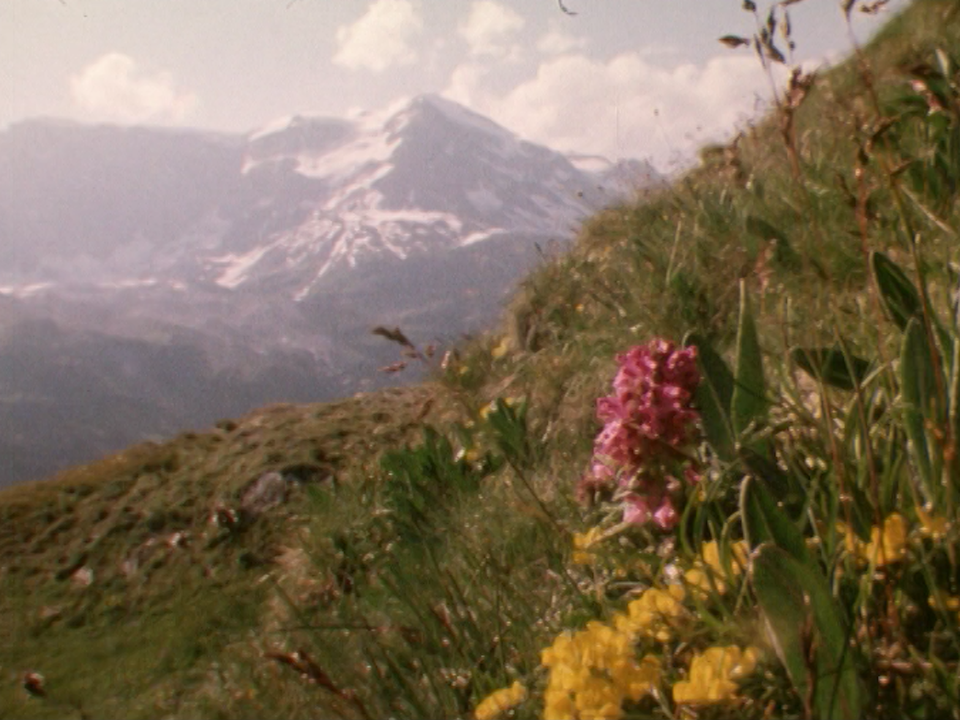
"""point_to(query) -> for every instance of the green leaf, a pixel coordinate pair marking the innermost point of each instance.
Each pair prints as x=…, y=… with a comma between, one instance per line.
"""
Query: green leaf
x=712, y=397
x=831, y=366
x=857, y=507
x=749, y=402
x=918, y=390
x=782, y=487
x=764, y=521
x=508, y=424
x=785, y=612
x=809, y=633
x=900, y=296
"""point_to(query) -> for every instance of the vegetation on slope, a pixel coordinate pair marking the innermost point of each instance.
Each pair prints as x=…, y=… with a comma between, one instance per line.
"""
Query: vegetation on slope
x=810, y=570
x=122, y=581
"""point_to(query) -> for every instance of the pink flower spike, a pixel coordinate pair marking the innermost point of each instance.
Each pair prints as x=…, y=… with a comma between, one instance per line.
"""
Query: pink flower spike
x=635, y=510
x=649, y=427
x=666, y=516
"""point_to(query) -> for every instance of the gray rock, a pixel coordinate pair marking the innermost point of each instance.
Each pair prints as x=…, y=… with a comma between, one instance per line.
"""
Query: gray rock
x=270, y=490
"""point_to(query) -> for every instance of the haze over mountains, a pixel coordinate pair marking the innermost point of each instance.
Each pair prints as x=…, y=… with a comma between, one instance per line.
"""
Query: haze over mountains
x=154, y=280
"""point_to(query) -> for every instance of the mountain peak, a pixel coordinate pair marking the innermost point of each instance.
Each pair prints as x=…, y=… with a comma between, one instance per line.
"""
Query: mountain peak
x=431, y=107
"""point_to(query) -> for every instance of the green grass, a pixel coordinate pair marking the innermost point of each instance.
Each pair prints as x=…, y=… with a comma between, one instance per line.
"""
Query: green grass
x=142, y=636
x=411, y=574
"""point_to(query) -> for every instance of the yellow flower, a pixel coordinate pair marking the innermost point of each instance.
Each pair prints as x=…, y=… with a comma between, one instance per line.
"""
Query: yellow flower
x=471, y=455
x=653, y=614
x=931, y=525
x=886, y=546
x=593, y=671
x=713, y=674
x=499, y=701
x=582, y=542
x=700, y=579
x=491, y=407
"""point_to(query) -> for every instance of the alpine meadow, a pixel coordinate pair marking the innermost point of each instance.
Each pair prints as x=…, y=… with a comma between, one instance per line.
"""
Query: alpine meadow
x=704, y=466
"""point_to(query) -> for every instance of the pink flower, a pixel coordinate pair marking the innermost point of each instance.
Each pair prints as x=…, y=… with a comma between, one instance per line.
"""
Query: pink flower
x=666, y=516
x=648, y=426
x=636, y=510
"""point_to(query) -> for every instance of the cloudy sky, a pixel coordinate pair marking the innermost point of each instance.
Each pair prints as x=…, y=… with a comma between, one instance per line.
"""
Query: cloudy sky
x=621, y=78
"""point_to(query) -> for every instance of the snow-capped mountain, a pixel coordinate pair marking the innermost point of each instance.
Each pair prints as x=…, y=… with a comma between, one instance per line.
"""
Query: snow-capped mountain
x=277, y=250
x=430, y=176
x=298, y=199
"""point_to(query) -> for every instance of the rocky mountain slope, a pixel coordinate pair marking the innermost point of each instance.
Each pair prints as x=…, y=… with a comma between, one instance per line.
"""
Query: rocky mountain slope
x=158, y=279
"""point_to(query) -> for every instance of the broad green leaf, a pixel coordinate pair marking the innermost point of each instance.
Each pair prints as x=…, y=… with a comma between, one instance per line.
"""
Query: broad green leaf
x=784, y=611
x=749, y=402
x=831, y=366
x=713, y=396
x=765, y=521
x=900, y=296
x=805, y=622
x=918, y=389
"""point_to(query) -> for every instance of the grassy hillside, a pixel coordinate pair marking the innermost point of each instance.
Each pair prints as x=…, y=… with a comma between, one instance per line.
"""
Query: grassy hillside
x=121, y=584
x=435, y=544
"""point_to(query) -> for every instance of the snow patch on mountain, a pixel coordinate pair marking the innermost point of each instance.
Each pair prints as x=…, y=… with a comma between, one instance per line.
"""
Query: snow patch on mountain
x=24, y=291
x=307, y=197
x=237, y=267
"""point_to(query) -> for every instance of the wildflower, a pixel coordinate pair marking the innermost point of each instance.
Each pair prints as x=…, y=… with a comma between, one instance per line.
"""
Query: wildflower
x=581, y=546
x=648, y=424
x=886, y=546
x=710, y=567
x=713, y=674
x=499, y=701
x=653, y=614
x=932, y=526
x=469, y=455
x=593, y=671
x=501, y=349
x=490, y=408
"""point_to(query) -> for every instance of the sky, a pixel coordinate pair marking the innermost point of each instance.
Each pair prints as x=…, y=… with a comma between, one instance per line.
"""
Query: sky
x=642, y=79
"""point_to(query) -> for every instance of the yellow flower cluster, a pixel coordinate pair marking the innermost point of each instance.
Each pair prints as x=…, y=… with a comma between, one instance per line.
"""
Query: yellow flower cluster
x=653, y=614
x=582, y=542
x=713, y=675
x=932, y=526
x=886, y=546
x=699, y=577
x=499, y=701
x=593, y=671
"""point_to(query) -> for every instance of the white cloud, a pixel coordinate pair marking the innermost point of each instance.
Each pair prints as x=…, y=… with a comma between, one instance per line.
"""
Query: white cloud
x=623, y=107
x=558, y=42
x=489, y=29
x=382, y=37
x=114, y=87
